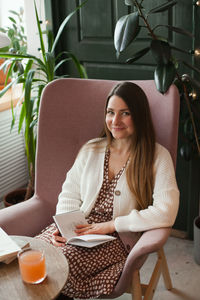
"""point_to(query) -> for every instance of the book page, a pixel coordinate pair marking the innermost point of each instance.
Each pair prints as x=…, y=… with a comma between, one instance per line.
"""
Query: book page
x=7, y=246
x=68, y=221
x=90, y=240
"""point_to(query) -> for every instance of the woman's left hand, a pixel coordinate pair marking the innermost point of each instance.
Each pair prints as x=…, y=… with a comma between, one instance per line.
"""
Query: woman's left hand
x=96, y=228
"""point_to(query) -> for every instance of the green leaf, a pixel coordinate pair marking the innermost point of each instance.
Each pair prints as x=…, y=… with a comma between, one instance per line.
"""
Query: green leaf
x=50, y=40
x=126, y=30
x=27, y=94
x=4, y=49
x=177, y=30
x=186, y=151
x=50, y=64
x=180, y=50
x=21, y=117
x=12, y=20
x=13, y=12
x=137, y=55
x=161, y=51
x=163, y=7
x=13, y=116
x=6, y=88
x=40, y=33
x=60, y=63
x=62, y=26
x=79, y=66
x=164, y=76
x=28, y=67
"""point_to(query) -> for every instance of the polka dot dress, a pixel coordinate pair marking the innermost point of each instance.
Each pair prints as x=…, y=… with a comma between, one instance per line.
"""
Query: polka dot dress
x=94, y=271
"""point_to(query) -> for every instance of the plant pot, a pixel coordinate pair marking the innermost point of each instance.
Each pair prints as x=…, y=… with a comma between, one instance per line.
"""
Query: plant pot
x=197, y=240
x=14, y=197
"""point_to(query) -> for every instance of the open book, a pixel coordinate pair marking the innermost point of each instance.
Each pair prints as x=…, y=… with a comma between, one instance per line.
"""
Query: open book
x=9, y=248
x=67, y=222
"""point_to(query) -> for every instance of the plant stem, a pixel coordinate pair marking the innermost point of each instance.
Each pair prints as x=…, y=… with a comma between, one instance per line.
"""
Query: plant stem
x=186, y=96
x=145, y=20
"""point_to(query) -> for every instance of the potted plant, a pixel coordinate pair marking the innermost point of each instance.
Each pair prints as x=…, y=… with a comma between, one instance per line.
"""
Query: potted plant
x=18, y=44
x=167, y=64
x=166, y=72
x=34, y=74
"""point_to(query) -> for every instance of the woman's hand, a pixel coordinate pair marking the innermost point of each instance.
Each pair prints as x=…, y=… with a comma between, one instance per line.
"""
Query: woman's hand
x=96, y=228
x=58, y=240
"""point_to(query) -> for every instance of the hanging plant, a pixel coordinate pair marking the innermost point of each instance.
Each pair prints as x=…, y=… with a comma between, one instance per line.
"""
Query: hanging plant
x=166, y=73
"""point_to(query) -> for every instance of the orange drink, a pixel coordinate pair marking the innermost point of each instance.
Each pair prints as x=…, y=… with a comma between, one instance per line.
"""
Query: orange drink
x=32, y=265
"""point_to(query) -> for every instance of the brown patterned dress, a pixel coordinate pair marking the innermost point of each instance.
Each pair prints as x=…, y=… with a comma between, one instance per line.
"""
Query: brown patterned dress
x=94, y=271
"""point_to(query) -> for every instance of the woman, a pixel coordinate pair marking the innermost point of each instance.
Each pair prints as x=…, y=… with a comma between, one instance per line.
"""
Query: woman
x=123, y=182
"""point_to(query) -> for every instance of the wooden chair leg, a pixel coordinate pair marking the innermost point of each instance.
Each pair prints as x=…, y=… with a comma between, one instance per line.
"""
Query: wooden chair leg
x=136, y=286
x=151, y=287
x=165, y=270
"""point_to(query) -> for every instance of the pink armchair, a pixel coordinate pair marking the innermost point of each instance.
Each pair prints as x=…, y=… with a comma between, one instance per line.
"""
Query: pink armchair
x=71, y=112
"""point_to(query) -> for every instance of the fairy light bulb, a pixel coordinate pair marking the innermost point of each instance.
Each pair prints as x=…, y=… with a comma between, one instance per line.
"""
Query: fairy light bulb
x=194, y=95
x=198, y=3
x=197, y=52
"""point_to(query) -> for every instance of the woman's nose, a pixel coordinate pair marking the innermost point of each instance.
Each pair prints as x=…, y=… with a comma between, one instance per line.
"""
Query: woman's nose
x=116, y=119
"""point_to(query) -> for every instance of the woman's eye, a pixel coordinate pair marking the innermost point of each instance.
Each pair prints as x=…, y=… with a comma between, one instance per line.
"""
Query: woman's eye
x=126, y=113
x=110, y=112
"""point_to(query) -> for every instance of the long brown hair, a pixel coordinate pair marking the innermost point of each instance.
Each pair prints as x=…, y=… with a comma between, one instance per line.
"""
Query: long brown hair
x=139, y=172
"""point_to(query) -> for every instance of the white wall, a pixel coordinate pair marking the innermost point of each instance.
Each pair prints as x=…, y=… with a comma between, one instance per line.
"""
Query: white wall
x=5, y=6
x=29, y=17
x=31, y=25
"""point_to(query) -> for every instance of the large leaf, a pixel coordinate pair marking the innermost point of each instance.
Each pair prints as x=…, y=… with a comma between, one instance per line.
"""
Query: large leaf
x=161, y=51
x=137, y=55
x=163, y=7
x=186, y=151
x=164, y=76
x=127, y=28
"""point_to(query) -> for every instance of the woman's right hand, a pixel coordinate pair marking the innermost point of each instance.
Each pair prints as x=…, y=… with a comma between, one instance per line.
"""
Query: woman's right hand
x=58, y=240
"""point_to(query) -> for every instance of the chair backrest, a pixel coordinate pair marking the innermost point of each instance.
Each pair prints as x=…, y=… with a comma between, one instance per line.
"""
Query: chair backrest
x=71, y=113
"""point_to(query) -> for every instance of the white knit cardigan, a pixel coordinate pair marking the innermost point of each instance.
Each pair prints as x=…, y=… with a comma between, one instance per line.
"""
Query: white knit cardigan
x=84, y=180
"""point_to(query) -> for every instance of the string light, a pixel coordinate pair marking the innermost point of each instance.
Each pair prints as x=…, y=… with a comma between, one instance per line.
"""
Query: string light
x=197, y=52
x=198, y=3
x=193, y=95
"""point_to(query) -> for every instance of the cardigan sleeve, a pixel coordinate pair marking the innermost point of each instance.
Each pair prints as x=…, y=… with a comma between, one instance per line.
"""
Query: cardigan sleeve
x=163, y=211
x=70, y=199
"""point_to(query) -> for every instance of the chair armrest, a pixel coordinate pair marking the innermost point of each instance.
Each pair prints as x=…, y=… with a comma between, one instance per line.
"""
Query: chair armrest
x=149, y=242
x=27, y=218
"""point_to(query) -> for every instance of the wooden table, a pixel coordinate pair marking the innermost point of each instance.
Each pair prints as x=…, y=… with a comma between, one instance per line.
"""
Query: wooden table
x=12, y=286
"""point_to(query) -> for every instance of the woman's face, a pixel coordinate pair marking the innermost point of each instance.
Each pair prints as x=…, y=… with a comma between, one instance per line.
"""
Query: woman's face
x=118, y=118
